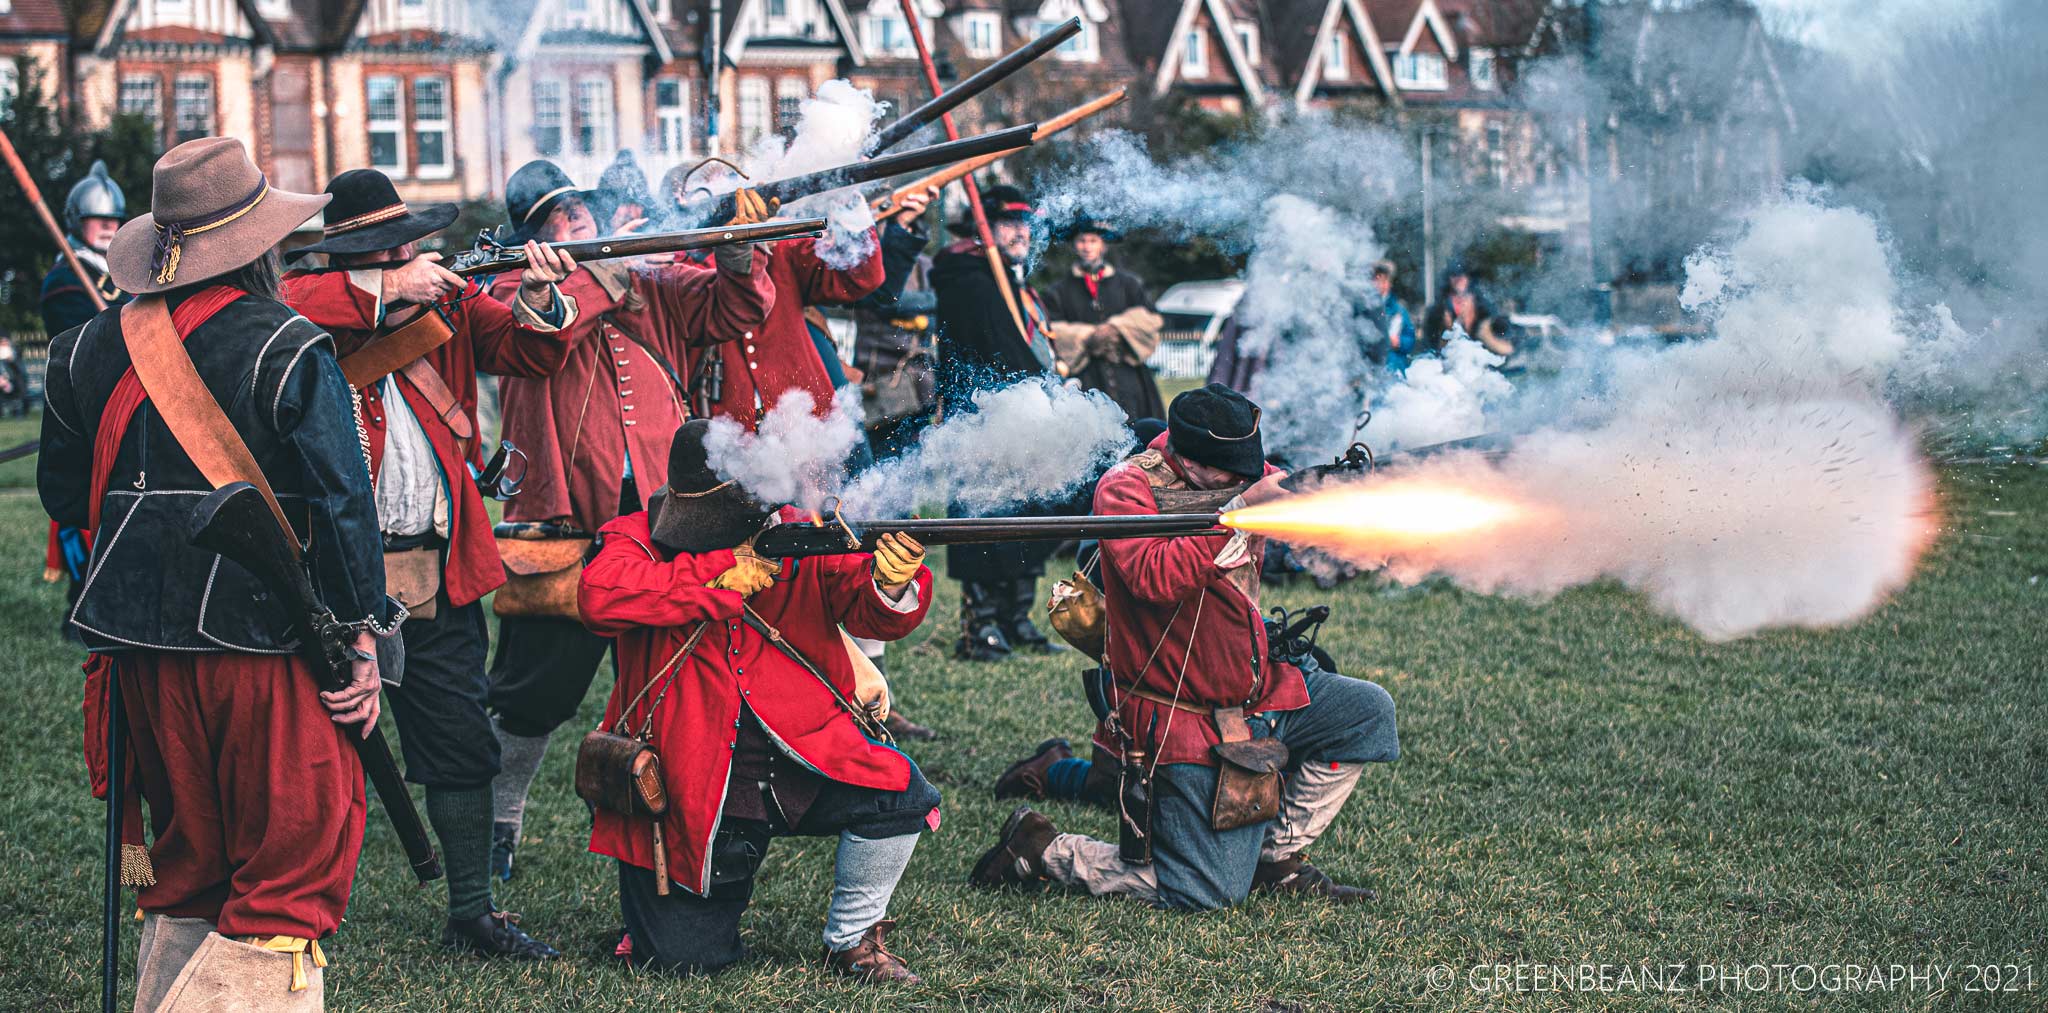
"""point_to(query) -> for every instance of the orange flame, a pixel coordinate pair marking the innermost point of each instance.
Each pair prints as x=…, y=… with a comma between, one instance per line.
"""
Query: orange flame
x=1377, y=516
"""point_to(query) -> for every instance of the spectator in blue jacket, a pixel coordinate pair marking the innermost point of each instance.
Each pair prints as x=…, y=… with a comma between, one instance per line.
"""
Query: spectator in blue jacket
x=1400, y=326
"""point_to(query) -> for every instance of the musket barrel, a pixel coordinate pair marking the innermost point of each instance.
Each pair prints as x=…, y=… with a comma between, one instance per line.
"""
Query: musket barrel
x=832, y=537
x=976, y=83
x=636, y=245
x=706, y=208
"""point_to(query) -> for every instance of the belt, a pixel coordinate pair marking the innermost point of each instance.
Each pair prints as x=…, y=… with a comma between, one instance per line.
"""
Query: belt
x=1164, y=701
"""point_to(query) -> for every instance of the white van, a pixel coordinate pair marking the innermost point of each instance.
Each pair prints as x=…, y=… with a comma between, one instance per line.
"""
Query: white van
x=1194, y=311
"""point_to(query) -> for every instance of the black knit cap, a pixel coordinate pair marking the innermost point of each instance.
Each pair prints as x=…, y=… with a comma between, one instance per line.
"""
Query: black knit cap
x=697, y=511
x=622, y=182
x=531, y=195
x=1219, y=427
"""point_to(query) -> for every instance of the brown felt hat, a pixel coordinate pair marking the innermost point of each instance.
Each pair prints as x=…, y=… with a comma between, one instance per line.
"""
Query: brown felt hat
x=211, y=211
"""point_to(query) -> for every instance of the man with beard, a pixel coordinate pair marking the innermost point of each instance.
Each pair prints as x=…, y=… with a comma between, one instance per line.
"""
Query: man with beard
x=420, y=428
x=255, y=796
x=1104, y=325
x=592, y=433
x=1200, y=721
x=980, y=348
x=702, y=622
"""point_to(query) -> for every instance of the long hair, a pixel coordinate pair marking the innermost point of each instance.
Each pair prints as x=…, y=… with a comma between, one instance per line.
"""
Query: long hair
x=259, y=277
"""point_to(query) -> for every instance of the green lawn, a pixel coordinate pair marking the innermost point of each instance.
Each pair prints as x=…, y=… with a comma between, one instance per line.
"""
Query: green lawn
x=1582, y=781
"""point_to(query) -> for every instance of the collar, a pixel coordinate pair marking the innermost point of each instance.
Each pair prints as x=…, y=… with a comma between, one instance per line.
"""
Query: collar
x=1107, y=271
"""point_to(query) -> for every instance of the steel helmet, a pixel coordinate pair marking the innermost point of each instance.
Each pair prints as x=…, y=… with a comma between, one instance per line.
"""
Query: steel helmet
x=95, y=196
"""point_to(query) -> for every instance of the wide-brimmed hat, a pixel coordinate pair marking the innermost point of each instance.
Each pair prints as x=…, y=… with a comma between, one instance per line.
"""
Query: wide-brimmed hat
x=367, y=215
x=697, y=511
x=211, y=211
x=532, y=193
x=1085, y=223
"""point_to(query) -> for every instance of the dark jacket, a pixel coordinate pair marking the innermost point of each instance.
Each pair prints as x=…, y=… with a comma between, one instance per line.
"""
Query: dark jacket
x=893, y=354
x=66, y=303
x=1130, y=385
x=146, y=587
x=979, y=346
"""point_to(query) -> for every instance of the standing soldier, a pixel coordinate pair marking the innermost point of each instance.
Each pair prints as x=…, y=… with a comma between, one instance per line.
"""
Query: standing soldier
x=255, y=796
x=1105, y=326
x=596, y=435
x=702, y=622
x=980, y=348
x=421, y=431
x=1200, y=720
x=92, y=212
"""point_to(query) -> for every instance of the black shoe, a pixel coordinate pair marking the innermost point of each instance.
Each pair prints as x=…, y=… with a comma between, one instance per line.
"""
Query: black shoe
x=504, y=841
x=495, y=934
x=1024, y=635
x=985, y=643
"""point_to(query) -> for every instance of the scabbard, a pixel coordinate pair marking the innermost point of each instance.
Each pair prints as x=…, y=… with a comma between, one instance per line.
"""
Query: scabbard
x=383, y=774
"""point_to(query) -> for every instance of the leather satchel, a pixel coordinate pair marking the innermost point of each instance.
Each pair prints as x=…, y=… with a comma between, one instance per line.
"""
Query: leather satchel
x=1078, y=615
x=413, y=576
x=620, y=774
x=542, y=564
x=1247, y=774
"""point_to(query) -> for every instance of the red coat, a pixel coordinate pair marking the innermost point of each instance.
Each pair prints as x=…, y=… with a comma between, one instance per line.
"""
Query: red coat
x=1175, y=615
x=611, y=398
x=651, y=604
x=489, y=338
x=782, y=355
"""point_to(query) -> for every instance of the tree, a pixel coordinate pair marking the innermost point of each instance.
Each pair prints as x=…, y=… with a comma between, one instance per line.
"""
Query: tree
x=54, y=158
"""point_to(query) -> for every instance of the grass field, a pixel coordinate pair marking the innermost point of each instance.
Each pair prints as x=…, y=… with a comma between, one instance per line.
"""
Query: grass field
x=1582, y=781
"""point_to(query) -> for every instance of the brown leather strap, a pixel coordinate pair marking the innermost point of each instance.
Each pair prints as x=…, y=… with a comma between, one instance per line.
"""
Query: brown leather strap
x=430, y=385
x=1164, y=700
x=386, y=354
x=1230, y=724
x=187, y=407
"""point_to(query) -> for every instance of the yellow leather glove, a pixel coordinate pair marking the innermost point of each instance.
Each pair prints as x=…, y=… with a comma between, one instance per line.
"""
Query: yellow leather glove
x=746, y=575
x=897, y=557
x=749, y=209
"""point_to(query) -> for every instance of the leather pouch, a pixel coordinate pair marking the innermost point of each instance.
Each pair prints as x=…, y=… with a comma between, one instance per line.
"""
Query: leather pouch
x=413, y=576
x=540, y=573
x=1247, y=774
x=1078, y=615
x=620, y=775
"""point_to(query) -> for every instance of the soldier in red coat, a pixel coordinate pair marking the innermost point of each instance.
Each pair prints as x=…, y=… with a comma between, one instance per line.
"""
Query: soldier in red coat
x=735, y=669
x=595, y=433
x=420, y=428
x=1192, y=689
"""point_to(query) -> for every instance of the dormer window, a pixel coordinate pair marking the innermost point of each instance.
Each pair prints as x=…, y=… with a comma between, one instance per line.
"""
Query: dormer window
x=982, y=31
x=1336, y=60
x=1082, y=47
x=1248, y=40
x=1194, y=54
x=1421, y=72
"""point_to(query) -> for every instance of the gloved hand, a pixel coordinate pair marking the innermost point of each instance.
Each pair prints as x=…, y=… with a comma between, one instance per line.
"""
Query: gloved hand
x=897, y=557
x=749, y=209
x=747, y=575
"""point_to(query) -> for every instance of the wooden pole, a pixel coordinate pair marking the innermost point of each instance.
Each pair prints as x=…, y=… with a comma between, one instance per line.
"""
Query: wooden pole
x=981, y=228
x=35, y=200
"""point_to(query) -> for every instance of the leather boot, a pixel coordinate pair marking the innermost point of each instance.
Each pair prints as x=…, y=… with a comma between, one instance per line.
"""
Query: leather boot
x=230, y=976
x=1020, y=598
x=167, y=946
x=869, y=961
x=1293, y=875
x=907, y=730
x=1019, y=854
x=1026, y=777
x=981, y=631
x=495, y=934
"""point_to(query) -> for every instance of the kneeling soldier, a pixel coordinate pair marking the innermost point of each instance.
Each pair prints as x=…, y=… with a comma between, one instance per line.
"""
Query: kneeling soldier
x=1200, y=723
x=702, y=623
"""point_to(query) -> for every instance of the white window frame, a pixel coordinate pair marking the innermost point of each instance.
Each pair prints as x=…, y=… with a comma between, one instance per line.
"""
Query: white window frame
x=1408, y=72
x=778, y=24
x=268, y=8
x=178, y=7
x=393, y=125
x=1248, y=40
x=672, y=120
x=155, y=112
x=598, y=118
x=1083, y=47
x=1336, y=59
x=1482, y=70
x=411, y=13
x=663, y=10
x=445, y=126
x=1194, y=53
x=10, y=77
x=871, y=34
x=756, y=109
x=991, y=22
x=559, y=92
x=790, y=89
x=212, y=105
x=6, y=6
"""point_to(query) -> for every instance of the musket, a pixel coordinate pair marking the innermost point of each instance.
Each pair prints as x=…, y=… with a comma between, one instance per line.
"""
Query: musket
x=490, y=255
x=235, y=522
x=699, y=206
x=835, y=535
x=980, y=81
x=890, y=202
x=35, y=200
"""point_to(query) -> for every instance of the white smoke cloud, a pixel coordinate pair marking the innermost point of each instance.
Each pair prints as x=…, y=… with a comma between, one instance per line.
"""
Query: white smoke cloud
x=832, y=129
x=1440, y=399
x=1034, y=441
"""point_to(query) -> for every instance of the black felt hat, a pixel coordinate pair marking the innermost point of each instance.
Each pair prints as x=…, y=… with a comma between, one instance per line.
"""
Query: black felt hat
x=697, y=511
x=532, y=193
x=367, y=215
x=1219, y=427
x=999, y=203
x=1086, y=223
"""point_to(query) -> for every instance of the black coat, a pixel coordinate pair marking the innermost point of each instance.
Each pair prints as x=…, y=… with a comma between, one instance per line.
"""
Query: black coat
x=65, y=301
x=1132, y=387
x=275, y=376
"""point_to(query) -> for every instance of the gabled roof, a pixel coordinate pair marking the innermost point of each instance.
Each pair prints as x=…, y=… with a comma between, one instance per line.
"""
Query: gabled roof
x=1494, y=24
x=528, y=33
x=35, y=19
x=1345, y=16
x=735, y=44
x=1426, y=17
x=112, y=18
x=1220, y=18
